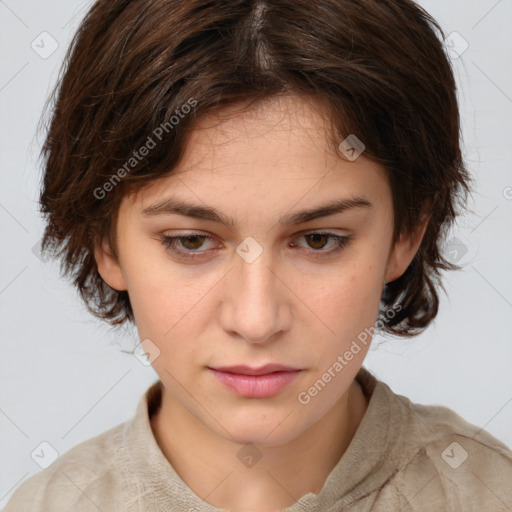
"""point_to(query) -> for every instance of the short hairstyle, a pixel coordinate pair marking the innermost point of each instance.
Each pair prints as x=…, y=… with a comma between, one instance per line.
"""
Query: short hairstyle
x=139, y=73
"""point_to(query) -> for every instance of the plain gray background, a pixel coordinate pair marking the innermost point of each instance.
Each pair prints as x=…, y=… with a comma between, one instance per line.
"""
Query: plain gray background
x=63, y=378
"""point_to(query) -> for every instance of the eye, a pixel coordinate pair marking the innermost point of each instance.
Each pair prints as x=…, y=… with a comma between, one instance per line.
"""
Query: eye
x=185, y=245
x=191, y=246
x=319, y=240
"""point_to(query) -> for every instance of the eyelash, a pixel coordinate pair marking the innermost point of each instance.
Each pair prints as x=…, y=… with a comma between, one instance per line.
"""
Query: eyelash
x=169, y=242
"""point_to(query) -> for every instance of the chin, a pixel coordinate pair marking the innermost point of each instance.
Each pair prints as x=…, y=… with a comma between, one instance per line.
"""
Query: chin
x=270, y=432
x=262, y=439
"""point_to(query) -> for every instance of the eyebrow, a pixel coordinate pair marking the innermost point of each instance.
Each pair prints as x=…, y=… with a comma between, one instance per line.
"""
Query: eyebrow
x=174, y=206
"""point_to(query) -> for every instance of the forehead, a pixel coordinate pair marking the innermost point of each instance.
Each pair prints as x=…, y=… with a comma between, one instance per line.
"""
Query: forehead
x=274, y=131
x=283, y=113
x=279, y=150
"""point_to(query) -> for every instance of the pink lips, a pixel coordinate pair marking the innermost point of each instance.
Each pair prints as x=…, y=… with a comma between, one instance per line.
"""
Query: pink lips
x=263, y=382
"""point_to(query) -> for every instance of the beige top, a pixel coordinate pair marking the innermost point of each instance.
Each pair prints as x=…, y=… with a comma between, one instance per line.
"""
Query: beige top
x=403, y=457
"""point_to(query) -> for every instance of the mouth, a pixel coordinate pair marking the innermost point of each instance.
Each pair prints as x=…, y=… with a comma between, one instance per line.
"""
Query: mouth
x=262, y=382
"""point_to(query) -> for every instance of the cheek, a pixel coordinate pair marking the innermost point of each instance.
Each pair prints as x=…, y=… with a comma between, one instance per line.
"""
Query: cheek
x=346, y=299
x=165, y=306
x=156, y=296
x=170, y=305
x=168, y=312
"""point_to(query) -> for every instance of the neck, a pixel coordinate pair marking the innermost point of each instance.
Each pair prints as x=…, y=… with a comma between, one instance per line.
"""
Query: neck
x=210, y=466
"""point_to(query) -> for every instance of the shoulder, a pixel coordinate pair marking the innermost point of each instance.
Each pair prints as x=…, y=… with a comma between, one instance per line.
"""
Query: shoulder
x=80, y=479
x=451, y=464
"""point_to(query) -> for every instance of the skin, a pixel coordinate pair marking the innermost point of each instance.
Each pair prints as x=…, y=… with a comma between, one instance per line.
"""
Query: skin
x=287, y=306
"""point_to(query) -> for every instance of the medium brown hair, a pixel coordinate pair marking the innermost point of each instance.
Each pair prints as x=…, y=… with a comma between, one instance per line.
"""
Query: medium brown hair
x=378, y=67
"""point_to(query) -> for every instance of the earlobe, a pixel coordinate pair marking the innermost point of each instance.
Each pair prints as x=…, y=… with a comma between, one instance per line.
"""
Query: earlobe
x=404, y=251
x=108, y=266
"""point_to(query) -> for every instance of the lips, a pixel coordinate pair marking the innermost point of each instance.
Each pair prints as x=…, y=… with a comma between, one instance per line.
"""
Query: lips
x=263, y=382
x=262, y=370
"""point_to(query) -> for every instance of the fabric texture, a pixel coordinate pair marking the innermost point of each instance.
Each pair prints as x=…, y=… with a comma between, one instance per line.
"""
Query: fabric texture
x=404, y=457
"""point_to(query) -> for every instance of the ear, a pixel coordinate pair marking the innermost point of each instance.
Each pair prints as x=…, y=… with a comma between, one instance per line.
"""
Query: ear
x=108, y=265
x=402, y=254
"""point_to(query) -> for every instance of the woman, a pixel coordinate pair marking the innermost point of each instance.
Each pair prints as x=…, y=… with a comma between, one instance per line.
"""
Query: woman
x=256, y=185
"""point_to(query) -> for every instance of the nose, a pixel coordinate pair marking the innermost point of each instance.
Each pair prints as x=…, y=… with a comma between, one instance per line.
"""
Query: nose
x=254, y=305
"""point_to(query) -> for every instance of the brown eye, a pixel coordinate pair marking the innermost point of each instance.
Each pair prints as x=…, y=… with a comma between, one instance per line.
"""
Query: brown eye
x=193, y=242
x=188, y=246
x=322, y=244
x=318, y=240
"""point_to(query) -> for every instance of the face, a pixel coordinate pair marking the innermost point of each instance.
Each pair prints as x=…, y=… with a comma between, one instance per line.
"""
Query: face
x=226, y=264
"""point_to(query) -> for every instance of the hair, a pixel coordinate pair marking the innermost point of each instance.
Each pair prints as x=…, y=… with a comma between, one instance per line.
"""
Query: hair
x=377, y=66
